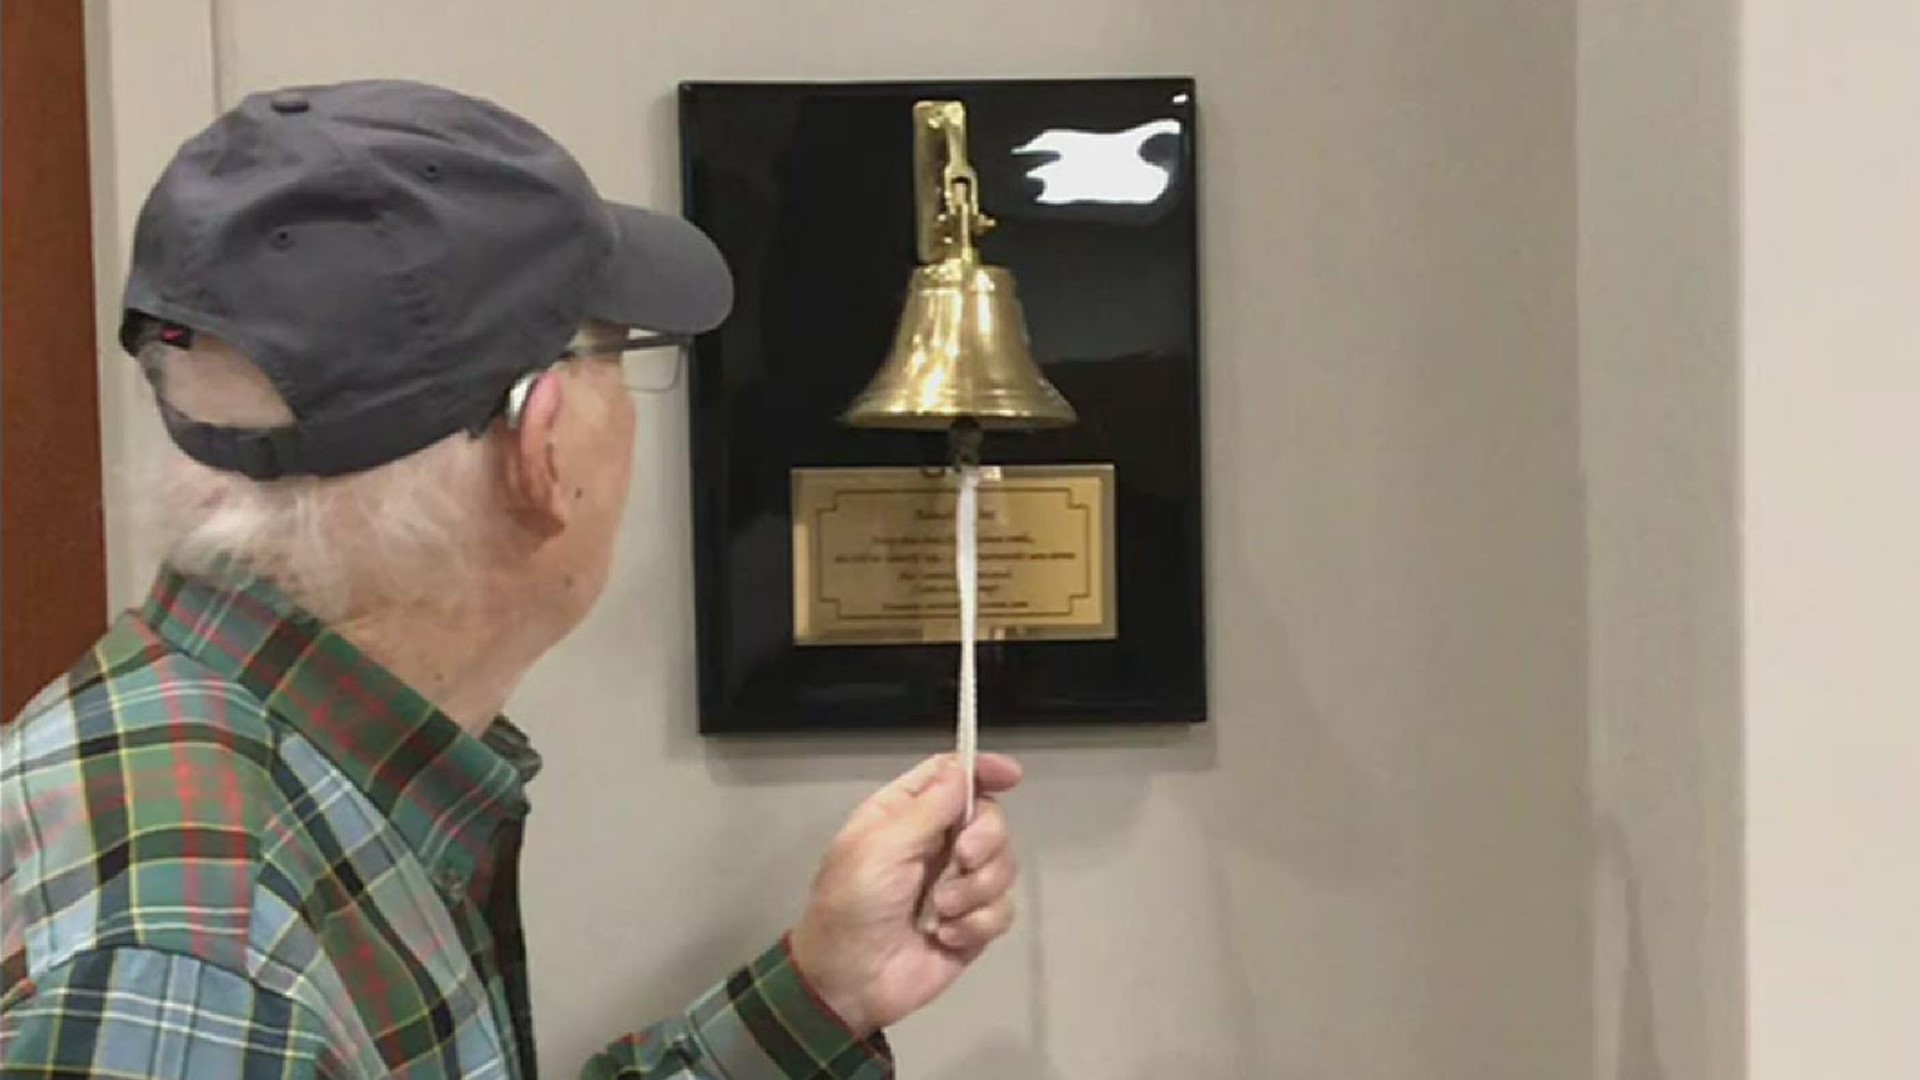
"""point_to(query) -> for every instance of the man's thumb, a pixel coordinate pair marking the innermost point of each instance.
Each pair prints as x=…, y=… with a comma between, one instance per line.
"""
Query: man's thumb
x=937, y=808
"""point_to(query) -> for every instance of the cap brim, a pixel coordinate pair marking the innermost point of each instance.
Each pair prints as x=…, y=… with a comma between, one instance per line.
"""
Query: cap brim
x=667, y=276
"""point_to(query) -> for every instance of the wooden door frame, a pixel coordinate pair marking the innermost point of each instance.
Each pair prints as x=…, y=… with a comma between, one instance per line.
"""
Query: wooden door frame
x=53, y=581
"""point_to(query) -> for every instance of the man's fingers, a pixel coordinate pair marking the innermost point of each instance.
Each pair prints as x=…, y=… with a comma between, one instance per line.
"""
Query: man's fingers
x=996, y=774
x=977, y=929
x=984, y=838
x=963, y=894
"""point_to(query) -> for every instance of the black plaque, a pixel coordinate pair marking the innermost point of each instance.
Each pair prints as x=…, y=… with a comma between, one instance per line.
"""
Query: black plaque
x=808, y=189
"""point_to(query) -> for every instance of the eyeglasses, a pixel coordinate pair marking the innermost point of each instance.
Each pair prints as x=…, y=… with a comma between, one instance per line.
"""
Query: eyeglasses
x=620, y=349
x=638, y=375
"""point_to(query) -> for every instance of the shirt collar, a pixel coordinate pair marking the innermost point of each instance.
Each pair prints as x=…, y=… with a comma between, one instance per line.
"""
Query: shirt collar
x=445, y=791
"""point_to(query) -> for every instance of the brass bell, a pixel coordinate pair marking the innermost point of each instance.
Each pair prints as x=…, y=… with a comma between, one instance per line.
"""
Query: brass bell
x=961, y=352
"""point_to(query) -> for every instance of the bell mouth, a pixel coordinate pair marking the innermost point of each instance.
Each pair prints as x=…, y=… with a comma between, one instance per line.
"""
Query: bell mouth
x=1012, y=415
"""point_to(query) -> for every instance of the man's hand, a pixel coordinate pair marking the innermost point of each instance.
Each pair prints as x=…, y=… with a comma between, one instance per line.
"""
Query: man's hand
x=857, y=942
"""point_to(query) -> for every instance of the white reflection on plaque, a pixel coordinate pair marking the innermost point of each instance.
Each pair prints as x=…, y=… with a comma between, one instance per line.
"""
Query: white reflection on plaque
x=1100, y=166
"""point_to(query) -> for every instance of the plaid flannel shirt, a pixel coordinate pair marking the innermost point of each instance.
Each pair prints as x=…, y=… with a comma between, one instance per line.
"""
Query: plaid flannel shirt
x=233, y=846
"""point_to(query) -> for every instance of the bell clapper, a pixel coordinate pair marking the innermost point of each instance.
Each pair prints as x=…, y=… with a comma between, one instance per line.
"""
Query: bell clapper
x=963, y=443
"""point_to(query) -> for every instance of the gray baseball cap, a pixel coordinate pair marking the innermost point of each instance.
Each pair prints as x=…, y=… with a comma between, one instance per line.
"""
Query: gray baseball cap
x=393, y=256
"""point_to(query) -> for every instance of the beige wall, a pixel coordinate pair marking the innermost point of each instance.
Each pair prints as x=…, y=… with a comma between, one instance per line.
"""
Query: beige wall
x=1659, y=372
x=1375, y=862
x=1831, y=388
x=1749, y=261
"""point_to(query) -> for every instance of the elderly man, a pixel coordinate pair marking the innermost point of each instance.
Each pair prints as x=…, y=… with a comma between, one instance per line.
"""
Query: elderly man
x=270, y=826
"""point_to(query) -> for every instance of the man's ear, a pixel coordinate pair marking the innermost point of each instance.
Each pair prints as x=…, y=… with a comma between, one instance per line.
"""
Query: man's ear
x=533, y=467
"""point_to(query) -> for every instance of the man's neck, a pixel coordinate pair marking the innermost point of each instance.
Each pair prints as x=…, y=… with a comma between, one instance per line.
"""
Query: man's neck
x=467, y=665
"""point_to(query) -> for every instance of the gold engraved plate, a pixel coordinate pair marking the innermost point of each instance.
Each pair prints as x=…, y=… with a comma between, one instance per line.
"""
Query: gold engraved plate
x=873, y=555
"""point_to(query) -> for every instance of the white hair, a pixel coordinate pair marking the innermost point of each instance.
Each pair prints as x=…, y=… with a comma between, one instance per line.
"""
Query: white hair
x=413, y=532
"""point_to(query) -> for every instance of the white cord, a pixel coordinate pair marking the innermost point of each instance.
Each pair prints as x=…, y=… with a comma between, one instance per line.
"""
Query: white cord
x=966, y=567
x=219, y=50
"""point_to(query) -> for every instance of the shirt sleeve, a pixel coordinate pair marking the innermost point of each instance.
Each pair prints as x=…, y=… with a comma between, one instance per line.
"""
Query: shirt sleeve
x=134, y=1012
x=763, y=1023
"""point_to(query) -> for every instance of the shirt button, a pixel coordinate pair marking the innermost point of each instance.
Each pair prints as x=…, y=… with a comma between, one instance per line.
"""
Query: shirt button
x=450, y=883
x=288, y=102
